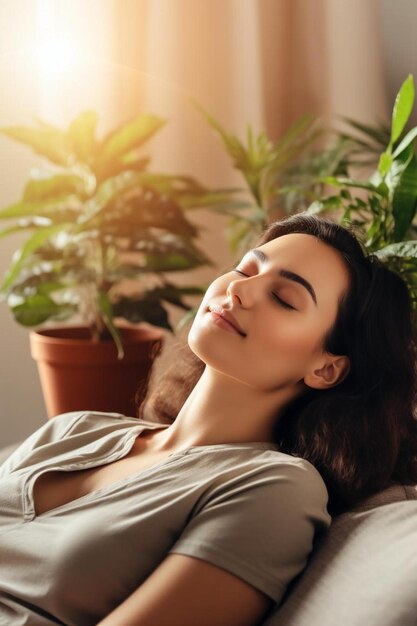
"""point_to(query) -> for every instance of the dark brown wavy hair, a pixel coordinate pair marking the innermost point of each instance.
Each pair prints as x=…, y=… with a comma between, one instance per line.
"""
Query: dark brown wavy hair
x=361, y=434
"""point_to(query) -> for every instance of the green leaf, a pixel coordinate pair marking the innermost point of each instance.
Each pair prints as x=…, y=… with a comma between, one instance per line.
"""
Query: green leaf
x=172, y=294
x=41, y=209
x=174, y=262
x=106, y=311
x=47, y=141
x=127, y=137
x=39, y=308
x=315, y=208
x=410, y=136
x=238, y=232
x=404, y=201
x=295, y=131
x=327, y=204
x=249, y=134
x=158, y=244
x=232, y=144
x=51, y=286
x=402, y=108
x=139, y=309
x=21, y=225
x=213, y=199
x=40, y=215
x=111, y=169
x=54, y=188
x=379, y=134
x=126, y=210
x=32, y=244
x=403, y=249
x=81, y=134
x=349, y=182
x=385, y=161
x=172, y=186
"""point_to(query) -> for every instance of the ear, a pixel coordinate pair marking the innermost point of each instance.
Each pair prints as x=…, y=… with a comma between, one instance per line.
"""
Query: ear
x=334, y=370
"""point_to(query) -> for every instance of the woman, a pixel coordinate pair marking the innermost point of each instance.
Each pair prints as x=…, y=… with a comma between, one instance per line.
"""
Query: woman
x=304, y=399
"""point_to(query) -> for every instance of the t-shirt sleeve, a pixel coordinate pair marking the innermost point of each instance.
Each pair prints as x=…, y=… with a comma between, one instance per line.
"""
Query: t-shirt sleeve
x=262, y=528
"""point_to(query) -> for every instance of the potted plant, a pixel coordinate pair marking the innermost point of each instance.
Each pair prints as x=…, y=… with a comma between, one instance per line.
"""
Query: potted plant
x=96, y=219
x=382, y=206
x=285, y=176
x=300, y=170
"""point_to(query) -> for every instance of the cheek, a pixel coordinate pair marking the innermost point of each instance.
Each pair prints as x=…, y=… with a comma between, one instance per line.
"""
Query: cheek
x=293, y=333
x=283, y=350
x=216, y=289
x=290, y=336
x=200, y=333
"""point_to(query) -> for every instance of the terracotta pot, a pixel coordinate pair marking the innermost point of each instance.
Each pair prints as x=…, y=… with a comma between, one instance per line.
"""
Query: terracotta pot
x=78, y=374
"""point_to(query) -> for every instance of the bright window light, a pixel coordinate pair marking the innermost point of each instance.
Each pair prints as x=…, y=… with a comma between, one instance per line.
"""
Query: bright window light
x=55, y=56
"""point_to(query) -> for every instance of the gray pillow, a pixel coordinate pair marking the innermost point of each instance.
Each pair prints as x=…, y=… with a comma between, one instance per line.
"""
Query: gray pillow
x=363, y=572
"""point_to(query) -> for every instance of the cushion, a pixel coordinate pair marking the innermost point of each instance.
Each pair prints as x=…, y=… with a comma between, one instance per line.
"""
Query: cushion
x=363, y=571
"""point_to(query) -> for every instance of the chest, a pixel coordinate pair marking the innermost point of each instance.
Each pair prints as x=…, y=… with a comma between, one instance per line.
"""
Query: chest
x=56, y=487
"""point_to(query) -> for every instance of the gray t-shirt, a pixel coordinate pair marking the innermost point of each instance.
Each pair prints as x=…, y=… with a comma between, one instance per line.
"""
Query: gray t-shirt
x=246, y=508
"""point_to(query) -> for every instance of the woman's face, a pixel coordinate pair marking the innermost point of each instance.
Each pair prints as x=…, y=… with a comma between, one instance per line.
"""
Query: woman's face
x=283, y=322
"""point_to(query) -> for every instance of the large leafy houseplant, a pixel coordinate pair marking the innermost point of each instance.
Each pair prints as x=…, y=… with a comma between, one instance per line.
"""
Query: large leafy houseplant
x=95, y=218
x=383, y=206
x=300, y=171
x=285, y=176
x=250, y=208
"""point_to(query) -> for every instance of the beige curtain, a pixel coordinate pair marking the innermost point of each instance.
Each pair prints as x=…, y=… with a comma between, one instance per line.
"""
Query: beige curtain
x=260, y=61
x=321, y=56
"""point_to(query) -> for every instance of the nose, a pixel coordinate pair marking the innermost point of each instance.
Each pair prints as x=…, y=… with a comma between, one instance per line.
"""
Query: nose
x=241, y=292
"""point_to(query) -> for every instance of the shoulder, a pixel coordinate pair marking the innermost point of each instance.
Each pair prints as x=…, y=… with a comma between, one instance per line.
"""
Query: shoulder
x=277, y=472
x=82, y=421
x=60, y=428
x=265, y=488
x=301, y=485
x=259, y=519
x=304, y=476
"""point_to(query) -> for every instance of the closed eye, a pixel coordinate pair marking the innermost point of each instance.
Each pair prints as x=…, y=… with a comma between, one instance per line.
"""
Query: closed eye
x=238, y=271
x=274, y=295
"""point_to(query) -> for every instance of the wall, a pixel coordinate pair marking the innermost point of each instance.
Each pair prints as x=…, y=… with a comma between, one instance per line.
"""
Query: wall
x=57, y=98
x=398, y=28
x=21, y=400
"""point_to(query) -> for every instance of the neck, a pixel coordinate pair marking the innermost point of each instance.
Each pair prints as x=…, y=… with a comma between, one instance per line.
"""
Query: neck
x=221, y=409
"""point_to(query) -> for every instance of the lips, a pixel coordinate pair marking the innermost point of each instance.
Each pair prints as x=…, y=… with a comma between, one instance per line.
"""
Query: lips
x=226, y=315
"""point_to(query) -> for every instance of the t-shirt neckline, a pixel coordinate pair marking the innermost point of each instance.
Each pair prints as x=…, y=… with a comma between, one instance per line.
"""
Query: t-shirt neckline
x=263, y=445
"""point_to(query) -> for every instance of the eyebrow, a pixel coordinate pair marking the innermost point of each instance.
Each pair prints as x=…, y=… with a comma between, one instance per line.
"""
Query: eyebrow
x=259, y=254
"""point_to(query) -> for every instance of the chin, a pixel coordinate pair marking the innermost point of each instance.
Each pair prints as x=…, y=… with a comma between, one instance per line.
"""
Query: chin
x=193, y=341
x=202, y=345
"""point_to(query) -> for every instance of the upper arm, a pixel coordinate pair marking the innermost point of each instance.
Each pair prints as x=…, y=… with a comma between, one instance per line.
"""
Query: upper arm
x=185, y=591
x=259, y=527
x=234, y=558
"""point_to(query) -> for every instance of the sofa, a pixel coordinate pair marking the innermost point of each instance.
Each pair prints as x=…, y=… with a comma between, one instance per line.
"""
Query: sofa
x=363, y=572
